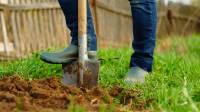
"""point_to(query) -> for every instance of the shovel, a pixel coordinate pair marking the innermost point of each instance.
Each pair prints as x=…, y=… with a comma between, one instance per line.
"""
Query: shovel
x=83, y=73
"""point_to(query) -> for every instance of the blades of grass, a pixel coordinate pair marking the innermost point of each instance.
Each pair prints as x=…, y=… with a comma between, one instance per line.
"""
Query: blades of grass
x=103, y=109
x=76, y=108
x=83, y=109
x=71, y=106
x=193, y=105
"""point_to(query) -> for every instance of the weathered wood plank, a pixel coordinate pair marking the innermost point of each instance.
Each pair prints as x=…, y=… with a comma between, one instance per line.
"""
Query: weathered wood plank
x=9, y=46
x=30, y=20
x=184, y=17
x=25, y=27
x=46, y=22
x=41, y=26
x=47, y=29
x=35, y=21
x=114, y=9
x=3, y=6
x=36, y=29
x=57, y=27
x=21, y=48
x=189, y=20
x=14, y=30
x=60, y=22
x=5, y=36
x=64, y=28
x=51, y=26
x=60, y=28
x=33, y=6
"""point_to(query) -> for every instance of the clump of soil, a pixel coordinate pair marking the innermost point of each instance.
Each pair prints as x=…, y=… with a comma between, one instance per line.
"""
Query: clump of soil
x=47, y=94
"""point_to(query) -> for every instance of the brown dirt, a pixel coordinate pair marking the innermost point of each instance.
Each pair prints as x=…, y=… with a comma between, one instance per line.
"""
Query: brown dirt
x=86, y=77
x=48, y=94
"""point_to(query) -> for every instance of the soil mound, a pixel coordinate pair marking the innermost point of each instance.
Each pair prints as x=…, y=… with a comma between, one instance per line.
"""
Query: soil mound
x=48, y=94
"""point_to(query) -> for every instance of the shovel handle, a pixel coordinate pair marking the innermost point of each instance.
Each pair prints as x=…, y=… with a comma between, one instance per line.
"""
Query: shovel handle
x=82, y=17
x=82, y=34
x=82, y=31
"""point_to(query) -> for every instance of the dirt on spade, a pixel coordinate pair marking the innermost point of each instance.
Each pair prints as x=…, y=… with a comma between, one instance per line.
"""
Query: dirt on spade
x=47, y=95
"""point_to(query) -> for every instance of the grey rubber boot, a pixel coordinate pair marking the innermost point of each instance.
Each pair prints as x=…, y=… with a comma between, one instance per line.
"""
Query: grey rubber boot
x=135, y=74
x=67, y=55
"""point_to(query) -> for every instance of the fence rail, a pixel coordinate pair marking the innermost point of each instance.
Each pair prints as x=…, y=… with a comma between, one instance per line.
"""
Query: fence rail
x=33, y=6
x=32, y=25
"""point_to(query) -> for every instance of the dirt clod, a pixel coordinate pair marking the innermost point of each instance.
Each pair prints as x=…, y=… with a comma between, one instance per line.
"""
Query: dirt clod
x=47, y=94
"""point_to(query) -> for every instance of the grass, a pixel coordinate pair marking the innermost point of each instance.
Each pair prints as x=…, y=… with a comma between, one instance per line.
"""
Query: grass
x=31, y=68
x=174, y=83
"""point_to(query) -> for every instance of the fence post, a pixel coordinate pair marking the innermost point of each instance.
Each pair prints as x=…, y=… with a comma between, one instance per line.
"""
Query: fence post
x=170, y=17
x=198, y=25
x=95, y=4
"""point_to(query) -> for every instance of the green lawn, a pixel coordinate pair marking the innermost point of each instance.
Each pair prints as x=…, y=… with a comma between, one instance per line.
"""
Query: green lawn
x=174, y=85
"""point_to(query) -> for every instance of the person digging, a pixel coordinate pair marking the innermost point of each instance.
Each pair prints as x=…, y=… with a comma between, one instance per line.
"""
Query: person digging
x=144, y=16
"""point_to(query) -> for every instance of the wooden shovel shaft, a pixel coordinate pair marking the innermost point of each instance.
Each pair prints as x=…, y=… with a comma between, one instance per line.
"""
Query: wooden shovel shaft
x=82, y=35
x=82, y=31
x=82, y=17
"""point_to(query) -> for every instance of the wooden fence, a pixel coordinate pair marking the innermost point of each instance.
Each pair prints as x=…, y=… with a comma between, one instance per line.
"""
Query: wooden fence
x=32, y=25
x=177, y=19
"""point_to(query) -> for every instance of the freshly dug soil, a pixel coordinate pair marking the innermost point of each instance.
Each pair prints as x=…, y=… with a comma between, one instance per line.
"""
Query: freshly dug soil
x=48, y=94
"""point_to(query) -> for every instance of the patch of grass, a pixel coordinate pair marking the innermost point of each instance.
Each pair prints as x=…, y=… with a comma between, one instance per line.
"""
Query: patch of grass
x=174, y=83
x=174, y=69
x=31, y=68
x=189, y=46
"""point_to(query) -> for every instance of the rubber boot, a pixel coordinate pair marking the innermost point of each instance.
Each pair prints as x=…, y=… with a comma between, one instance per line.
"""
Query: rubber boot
x=135, y=74
x=67, y=55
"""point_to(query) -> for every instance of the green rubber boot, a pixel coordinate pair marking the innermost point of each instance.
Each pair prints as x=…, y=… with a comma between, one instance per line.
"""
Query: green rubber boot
x=67, y=55
x=135, y=74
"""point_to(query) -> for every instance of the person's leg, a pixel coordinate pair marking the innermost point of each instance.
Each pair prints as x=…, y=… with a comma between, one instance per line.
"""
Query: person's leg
x=70, y=53
x=144, y=15
x=70, y=10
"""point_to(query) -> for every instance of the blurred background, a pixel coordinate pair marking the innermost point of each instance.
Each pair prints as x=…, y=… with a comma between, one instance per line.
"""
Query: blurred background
x=34, y=25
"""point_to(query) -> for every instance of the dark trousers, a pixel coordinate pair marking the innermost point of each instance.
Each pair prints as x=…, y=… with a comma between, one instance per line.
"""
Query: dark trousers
x=144, y=15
